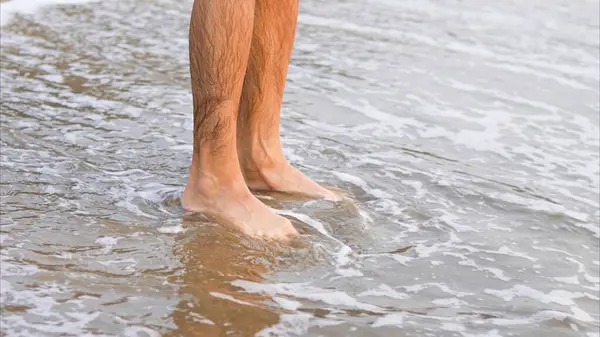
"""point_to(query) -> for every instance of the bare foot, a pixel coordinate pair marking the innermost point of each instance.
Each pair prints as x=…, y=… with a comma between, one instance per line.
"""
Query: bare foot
x=283, y=177
x=235, y=206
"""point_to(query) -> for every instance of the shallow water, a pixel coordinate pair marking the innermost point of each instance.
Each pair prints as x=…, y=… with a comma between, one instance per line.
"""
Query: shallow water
x=466, y=133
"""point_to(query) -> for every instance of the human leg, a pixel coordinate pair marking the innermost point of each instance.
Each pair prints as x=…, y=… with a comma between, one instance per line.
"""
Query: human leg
x=220, y=37
x=259, y=146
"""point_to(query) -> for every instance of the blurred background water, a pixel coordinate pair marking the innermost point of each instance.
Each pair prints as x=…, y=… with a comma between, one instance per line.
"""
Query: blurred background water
x=466, y=132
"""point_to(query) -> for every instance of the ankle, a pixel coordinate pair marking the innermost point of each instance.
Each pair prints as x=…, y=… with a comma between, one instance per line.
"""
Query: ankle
x=260, y=157
x=212, y=182
x=206, y=189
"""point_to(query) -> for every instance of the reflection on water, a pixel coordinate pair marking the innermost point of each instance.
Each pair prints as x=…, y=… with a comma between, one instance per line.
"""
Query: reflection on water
x=209, y=305
x=465, y=134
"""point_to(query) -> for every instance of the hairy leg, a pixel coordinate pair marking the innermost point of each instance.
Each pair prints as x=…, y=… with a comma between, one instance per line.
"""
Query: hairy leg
x=259, y=147
x=220, y=37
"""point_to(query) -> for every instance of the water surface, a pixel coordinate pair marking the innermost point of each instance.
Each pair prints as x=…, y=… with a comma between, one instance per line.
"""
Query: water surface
x=466, y=132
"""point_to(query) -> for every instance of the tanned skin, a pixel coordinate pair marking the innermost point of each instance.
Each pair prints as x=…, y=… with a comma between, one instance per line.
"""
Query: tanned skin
x=239, y=56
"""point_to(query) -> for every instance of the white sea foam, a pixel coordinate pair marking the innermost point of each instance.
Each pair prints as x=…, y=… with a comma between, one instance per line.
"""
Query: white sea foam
x=171, y=229
x=288, y=325
x=9, y=9
x=137, y=331
x=230, y=298
x=200, y=319
x=389, y=319
x=308, y=292
x=287, y=304
x=568, y=280
x=385, y=291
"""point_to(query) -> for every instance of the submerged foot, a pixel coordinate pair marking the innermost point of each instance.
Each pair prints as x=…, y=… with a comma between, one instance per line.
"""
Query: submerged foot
x=235, y=206
x=283, y=177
